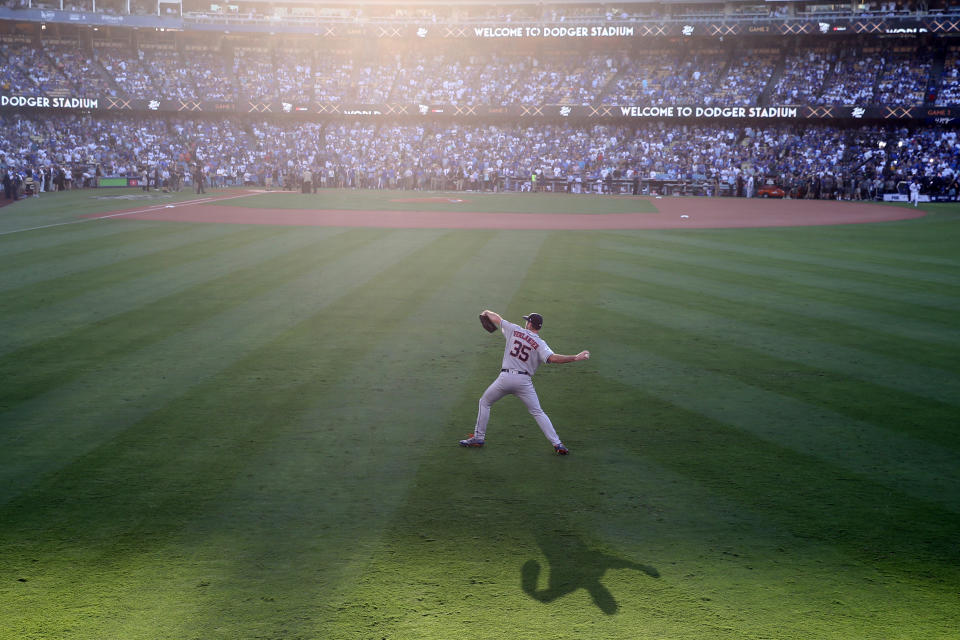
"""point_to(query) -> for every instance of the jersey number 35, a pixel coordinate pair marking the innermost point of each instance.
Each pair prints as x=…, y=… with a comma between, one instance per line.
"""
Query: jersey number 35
x=520, y=351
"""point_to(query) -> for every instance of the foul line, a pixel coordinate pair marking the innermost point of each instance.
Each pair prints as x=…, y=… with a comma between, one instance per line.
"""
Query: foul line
x=152, y=209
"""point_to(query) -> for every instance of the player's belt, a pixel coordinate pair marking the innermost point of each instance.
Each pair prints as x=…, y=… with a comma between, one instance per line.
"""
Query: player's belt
x=515, y=371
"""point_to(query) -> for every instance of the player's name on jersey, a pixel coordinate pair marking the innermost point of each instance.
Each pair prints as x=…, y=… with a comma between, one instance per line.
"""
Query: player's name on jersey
x=526, y=338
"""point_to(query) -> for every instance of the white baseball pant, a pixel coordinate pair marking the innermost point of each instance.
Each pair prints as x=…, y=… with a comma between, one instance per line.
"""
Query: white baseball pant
x=521, y=386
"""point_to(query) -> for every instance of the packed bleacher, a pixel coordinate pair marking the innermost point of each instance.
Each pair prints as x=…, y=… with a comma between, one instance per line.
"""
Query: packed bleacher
x=850, y=72
x=949, y=91
x=809, y=161
x=845, y=159
x=804, y=75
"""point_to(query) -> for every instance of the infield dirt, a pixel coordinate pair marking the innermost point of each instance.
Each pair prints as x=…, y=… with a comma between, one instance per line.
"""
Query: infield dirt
x=671, y=213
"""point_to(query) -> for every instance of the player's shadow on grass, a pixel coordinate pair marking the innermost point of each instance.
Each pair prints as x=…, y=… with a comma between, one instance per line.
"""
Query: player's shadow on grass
x=573, y=565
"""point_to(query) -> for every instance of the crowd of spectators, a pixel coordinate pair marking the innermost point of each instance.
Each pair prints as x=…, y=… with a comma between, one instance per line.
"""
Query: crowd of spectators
x=129, y=71
x=254, y=71
x=904, y=79
x=813, y=159
x=804, y=75
x=59, y=70
x=711, y=75
x=744, y=80
x=331, y=77
x=853, y=77
x=48, y=72
x=949, y=92
x=203, y=76
x=291, y=76
x=79, y=74
x=235, y=150
x=14, y=74
x=892, y=76
x=648, y=77
x=430, y=79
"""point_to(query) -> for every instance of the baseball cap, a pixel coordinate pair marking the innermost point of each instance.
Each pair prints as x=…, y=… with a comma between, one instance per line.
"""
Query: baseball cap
x=535, y=319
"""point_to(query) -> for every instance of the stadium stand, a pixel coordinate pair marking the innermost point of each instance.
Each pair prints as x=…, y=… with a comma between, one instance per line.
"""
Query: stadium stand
x=716, y=75
x=821, y=161
x=129, y=70
x=949, y=90
x=904, y=78
x=406, y=112
x=804, y=75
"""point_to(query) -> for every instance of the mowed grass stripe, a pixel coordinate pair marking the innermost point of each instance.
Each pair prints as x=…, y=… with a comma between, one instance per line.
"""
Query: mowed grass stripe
x=882, y=293
x=773, y=304
x=829, y=249
x=908, y=464
x=265, y=260
x=909, y=320
x=109, y=387
x=731, y=566
x=221, y=432
x=386, y=405
x=13, y=247
x=76, y=274
x=711, y=441
x=146, y=280
x=61, y=248
x=791, y=530
x=860, y=385
x=925, y=344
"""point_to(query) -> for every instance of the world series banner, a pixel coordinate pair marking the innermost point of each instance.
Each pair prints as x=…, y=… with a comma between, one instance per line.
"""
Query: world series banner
x=514, y=113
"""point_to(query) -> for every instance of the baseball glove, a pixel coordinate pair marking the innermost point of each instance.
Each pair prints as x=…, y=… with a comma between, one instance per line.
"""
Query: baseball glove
x=487, y=323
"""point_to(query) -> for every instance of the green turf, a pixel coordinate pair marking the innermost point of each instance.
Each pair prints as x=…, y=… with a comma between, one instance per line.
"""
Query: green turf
x=214, y=431
x=361, y=200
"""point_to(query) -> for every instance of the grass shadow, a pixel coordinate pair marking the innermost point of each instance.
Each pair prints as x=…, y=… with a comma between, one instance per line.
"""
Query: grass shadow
x=574, y=565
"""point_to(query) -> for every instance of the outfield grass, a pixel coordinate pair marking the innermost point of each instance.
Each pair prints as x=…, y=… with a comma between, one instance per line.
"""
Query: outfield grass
x=215, y=431
x=487, y=202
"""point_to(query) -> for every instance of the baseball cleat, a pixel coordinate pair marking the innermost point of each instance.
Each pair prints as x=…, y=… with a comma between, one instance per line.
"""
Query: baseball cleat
x=472, y=441
x=561, y=450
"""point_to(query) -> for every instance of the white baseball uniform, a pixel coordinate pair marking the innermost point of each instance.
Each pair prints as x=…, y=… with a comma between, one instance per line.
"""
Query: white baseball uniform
x=524, y=352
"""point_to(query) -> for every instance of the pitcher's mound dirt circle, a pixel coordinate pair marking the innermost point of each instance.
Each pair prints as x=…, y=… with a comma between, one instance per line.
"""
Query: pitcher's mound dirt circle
x=673, y=213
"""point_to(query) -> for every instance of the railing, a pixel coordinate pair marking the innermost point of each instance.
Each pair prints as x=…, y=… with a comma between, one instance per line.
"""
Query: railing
x=225, y=19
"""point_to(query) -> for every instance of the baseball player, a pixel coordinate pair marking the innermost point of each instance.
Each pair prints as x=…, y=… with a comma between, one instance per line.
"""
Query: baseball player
x=524, y=352
x=914, y=193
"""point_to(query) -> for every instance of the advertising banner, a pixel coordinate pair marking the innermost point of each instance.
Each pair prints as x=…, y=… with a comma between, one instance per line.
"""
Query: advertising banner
x=599, y=114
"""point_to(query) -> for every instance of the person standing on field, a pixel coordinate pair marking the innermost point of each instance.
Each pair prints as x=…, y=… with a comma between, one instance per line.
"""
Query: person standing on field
x=914, y=193
x=525, y=351
x=198, y=178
